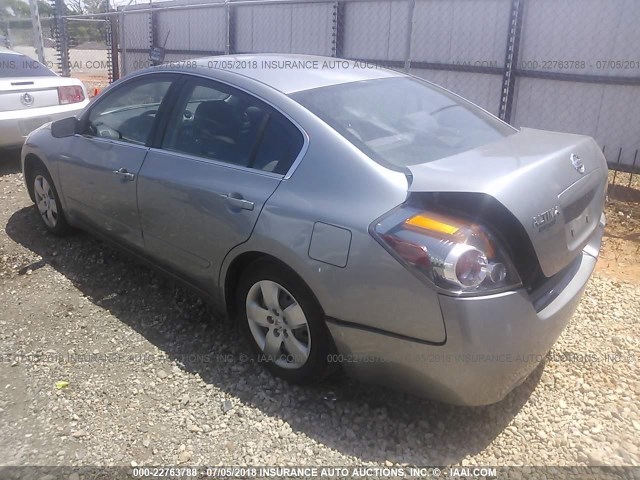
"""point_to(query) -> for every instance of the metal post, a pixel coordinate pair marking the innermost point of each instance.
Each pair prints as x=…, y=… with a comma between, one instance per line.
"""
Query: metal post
x=615, y=170
x=511, y=60
x=153, y=28
x=227, y=9
x=633, y=169
x=407, y=55
x=334, y=30
x=37, y=30
x=123, y=44
x=62, y=37
x=113, y=36
x=64, y=51
x=338, y=32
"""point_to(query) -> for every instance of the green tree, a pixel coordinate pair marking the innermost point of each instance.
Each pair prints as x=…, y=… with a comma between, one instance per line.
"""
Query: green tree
x=74, y=6
x=95, y=6
x=45, y=8
x=14, y=9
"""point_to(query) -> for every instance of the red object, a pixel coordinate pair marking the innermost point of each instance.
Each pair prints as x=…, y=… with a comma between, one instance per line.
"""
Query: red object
x=412, y=253
x=70, y=94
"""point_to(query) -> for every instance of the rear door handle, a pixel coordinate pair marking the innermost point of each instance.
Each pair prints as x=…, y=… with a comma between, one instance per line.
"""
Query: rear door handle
x=125, y=174
x=237, y=202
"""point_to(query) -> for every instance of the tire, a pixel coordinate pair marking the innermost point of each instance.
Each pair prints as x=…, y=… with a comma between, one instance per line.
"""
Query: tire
x=47, y=202
x=289, y=337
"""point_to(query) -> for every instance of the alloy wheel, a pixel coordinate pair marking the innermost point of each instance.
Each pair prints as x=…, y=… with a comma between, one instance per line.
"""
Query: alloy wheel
x=278, y=324
x=46, y=201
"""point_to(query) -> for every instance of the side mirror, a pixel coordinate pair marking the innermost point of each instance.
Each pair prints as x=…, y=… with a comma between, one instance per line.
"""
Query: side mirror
x=66, y=127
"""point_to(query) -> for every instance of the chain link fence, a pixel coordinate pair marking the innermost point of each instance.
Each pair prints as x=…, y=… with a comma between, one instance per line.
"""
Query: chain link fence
x=17, y=34
x=90, y=54
x=566, y=65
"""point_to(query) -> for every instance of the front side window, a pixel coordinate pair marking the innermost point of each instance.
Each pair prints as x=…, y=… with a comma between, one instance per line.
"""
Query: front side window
x=220, y=123
x=128, y=113
x=402, y=121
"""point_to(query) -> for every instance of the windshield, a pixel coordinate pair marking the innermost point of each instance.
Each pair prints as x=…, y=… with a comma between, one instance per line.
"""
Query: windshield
x=403, y=121
x=12, y=65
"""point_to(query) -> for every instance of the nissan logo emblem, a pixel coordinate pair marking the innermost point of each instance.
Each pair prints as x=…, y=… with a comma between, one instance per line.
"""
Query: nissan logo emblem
x=577, y=163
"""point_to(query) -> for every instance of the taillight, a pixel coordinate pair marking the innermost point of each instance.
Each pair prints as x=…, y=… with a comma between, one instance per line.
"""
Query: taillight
x=70, y=94
x=456, y=255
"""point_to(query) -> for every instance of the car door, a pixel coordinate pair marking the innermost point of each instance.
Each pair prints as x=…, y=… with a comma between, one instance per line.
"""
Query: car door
x=200, y=191
x=99, y=167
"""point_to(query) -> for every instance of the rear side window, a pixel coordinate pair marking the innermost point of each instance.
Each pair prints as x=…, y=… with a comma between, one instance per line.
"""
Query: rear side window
x=403, y=121
x=217, y=122
x=280, y=145
x=12, y=65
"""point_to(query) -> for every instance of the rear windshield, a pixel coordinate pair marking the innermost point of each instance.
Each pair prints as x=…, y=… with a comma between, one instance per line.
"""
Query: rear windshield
x=12, y=65
x=403, y=121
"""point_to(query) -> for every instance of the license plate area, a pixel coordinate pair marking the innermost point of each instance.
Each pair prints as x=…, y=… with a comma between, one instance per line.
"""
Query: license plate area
x=580, y=229
x=581, y=208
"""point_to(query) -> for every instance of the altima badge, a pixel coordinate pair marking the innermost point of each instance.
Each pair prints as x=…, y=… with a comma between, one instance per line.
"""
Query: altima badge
x=546, y=219
x=26, y=99
x=577, y=162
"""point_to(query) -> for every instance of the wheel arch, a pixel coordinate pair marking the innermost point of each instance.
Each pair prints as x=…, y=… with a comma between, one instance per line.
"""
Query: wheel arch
x=31, y=162
x=243, y=261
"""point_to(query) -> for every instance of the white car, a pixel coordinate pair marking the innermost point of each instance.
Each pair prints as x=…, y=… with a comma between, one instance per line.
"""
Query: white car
x=32, y=95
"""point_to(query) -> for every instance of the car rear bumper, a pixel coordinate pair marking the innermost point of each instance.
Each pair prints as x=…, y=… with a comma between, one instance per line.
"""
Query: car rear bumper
x=493, y=342
x=16, y=125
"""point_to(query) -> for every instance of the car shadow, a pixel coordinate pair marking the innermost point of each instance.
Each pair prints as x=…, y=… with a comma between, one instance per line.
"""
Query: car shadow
x=9, y=161
x=337, y=413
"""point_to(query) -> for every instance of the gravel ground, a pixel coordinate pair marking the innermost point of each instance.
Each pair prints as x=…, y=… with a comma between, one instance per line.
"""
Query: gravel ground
x=153, y=379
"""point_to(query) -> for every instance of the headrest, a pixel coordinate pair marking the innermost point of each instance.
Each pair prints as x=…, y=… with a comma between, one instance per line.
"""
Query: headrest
x=214, y=113
x=254, y=115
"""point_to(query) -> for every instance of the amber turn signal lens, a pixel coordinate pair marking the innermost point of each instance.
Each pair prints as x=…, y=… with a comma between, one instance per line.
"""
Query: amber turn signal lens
x=432, y=224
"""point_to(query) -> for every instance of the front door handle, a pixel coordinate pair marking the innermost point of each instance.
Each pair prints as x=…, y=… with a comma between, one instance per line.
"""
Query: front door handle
x=125, y=174
x=237, y=201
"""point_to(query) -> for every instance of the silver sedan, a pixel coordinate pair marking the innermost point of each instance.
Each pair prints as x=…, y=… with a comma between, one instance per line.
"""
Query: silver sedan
x=32, y=95
x=342, y=214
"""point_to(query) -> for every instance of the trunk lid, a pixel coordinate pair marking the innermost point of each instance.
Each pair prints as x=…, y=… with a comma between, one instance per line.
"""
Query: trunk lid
x=20, y=93
x=532, y=173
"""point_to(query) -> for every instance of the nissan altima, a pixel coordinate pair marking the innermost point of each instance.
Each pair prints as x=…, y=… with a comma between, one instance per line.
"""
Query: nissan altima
x=340, y=214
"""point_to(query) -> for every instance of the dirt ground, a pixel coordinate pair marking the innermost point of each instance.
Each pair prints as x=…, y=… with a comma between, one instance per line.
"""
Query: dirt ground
x=620, y=257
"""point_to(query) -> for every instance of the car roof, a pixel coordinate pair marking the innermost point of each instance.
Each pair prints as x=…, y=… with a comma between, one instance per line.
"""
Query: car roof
x=291, y=73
